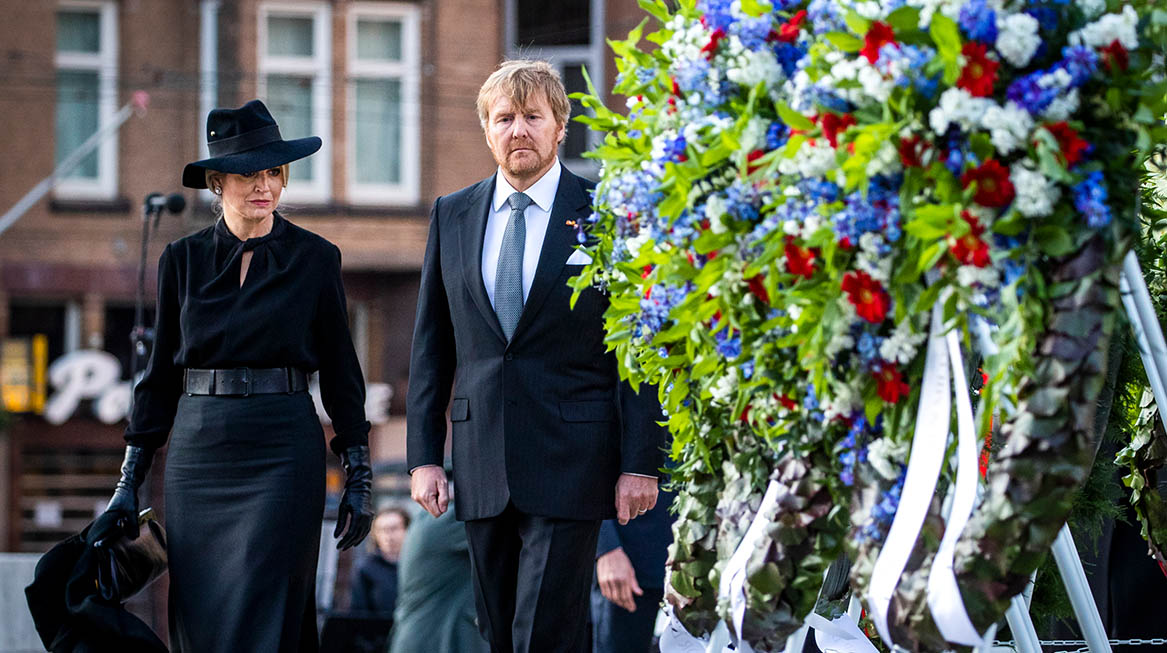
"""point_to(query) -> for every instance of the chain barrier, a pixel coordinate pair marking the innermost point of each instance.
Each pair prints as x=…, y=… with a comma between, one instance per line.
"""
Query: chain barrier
x=1083, y=648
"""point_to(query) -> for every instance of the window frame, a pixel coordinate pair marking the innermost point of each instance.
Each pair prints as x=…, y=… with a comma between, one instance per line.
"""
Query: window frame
x=319, y=68
x=408, y=71
x=590, y=56
x=105, y=64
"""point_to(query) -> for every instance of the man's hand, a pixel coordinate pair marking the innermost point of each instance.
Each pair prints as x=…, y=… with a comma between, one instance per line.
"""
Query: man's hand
x=617, y=579
x=635, y=495
x=427, y=486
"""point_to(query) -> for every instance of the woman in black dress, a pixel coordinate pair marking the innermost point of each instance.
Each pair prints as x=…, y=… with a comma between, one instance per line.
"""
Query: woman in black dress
x=246, y=309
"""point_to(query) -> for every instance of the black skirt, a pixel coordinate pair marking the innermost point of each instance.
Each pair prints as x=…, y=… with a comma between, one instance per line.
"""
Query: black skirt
x=244, y=504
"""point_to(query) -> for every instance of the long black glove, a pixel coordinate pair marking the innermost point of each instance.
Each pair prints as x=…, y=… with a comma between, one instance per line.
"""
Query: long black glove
x=356, y=504
x=121, y=515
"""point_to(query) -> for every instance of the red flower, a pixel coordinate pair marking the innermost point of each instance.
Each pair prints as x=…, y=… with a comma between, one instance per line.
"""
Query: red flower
x=1069, y=143
x=750, y=158
x=710, y=48
x=890, y=383
x=799, y=260
x=1115, y=55
x=979, y=72
x=758, y=288
x=834, y=125
x=970, y=249
x=986, y=450
x=867, y=295
x=644, y=274
x=993, y=186
x=676, y=88
x=789, y=30
x=787, y=401
x=912, y=149
x=879, y=35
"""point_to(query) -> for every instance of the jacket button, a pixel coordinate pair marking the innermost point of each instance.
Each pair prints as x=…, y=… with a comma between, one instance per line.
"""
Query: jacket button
x=509, y=356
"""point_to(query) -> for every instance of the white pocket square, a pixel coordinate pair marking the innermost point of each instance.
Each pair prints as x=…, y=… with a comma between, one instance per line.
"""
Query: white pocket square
x=579, y=257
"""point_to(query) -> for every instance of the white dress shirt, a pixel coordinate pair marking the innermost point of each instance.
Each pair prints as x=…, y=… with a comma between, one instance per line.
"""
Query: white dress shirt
x=537, y=217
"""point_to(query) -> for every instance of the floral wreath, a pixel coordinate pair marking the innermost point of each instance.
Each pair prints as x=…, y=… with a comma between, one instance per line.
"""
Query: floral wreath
x=813, y=214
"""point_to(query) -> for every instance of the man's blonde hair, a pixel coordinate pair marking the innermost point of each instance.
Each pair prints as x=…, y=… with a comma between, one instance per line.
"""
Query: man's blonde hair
x=520, y=79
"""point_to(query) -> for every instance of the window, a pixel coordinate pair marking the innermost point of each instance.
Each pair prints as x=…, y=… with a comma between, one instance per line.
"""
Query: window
x=383, y=102
x=571, y=38
x=295, y=84
x=86, y=59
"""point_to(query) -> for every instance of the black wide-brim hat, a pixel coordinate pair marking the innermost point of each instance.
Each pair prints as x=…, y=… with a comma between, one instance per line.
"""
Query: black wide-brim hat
x=245, y=140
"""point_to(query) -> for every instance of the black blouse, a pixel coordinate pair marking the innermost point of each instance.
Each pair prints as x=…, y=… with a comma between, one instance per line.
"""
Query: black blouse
x=290, y=311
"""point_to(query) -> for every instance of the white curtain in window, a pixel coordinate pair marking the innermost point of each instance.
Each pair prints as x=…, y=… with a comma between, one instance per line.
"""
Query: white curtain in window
x=378, y=40
x=378, y=141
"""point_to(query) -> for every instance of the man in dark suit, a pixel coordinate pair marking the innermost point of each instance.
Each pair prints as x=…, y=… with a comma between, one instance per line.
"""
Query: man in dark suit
x=546, y=440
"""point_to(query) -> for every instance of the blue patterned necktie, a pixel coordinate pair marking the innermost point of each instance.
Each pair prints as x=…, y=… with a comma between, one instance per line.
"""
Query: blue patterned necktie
x=508, y=278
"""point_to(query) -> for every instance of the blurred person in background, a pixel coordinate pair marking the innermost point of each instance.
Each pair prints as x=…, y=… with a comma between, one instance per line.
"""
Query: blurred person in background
x=374, y=584
x=435, y=601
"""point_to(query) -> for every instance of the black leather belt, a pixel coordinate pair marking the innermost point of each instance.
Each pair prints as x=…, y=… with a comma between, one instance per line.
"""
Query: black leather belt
x=244, y=381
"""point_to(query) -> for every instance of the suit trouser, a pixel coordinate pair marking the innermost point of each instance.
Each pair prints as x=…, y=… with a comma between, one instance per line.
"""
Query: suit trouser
x=616, y=630
x=532, y=576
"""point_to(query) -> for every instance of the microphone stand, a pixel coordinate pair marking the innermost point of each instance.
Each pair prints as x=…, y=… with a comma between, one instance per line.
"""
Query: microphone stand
x=142, y=338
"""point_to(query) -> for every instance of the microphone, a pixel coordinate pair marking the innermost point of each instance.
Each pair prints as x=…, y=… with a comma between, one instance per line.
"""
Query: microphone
x=173, y=203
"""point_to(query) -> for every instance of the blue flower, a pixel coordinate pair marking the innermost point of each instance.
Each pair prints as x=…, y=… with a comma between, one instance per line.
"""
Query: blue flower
x=884, y=511
x=825, y=16
x=868, y=348
x=747, y=368
x=1090, y=197
x=978, y=21
x=743, y=201
x=716, y=14
x=776, y=135
x=1081, y=62
x=729, y=343
x=1047, y=17
x=655, y=308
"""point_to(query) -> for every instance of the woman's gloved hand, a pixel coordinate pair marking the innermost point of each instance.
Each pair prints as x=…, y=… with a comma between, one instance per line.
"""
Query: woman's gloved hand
x=121, y=515
x=356, y=504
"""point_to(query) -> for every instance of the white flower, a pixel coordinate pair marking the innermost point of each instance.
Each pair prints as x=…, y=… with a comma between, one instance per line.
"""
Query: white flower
x=886, y=161
x=839, y=341
x=724, y=389
x=714, y=211
x=1008, y=126
x=971, y=276
x=901, y=346
x=958, y=106
x=885, y=457
x=869, y=260
x=950, y=8
x=1017, y=38
x=1036, y=194
x=754, y=67
x=1092, y=8
x=842, y=404
x=754, y=135
x=875, y=85
x=1110, y=28
x=635, y=243
x=1062, y=107
x=810, y=160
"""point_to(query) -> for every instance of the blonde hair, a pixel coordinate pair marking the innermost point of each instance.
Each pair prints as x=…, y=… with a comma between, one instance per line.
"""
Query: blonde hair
x=519, y=80
x=214, y=180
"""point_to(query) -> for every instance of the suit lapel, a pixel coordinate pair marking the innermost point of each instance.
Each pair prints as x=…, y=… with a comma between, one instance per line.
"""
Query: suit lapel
x=472, y=232
x=571, y=203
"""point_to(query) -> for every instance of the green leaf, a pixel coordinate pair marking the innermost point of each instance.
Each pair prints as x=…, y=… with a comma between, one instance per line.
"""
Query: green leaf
x=904, y=19
x=1053, y=240
x=655, y=7
x=946, y=35
x=755, y=8
x=792, y=118
x=857, y=23
x=845, y=42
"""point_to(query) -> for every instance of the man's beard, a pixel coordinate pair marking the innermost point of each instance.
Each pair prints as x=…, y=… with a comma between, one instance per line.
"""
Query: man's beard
x=527, y=164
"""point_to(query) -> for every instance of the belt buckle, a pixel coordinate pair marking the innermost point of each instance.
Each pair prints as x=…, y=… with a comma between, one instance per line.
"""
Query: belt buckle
x=246, y=371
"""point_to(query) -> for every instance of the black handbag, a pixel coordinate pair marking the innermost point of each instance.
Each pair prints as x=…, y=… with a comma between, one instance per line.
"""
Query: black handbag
x=125, y=567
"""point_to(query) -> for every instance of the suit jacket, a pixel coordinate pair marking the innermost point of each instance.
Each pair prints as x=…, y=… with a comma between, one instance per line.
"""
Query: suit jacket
x=645, y=541
x=542, y=421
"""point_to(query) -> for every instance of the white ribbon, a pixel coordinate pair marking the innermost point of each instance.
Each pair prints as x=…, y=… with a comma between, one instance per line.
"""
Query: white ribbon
x=944, y=598
x=842, y=635
x=928, y=444
x=733, y=577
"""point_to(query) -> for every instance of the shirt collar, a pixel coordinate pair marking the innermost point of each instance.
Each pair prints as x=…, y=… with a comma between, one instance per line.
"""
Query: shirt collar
x=542, y=192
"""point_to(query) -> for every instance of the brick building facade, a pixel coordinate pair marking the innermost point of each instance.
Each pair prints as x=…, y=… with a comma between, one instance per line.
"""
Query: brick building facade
x=389, y=86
